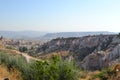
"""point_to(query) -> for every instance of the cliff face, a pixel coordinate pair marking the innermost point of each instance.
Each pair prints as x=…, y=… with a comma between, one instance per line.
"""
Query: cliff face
x=103, y=57
x=90, y=52
x=114, y=56
x=94, y=61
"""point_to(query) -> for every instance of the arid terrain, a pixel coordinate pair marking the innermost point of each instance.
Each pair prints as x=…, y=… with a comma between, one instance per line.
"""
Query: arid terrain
x=59, y=40
x=97, y=55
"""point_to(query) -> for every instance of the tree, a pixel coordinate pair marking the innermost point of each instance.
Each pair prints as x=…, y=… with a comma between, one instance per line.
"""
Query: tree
x=23, y=49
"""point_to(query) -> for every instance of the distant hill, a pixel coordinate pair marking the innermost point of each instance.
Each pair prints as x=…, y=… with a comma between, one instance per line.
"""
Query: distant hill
x=73, y=34
x=46, y=36
x=21, y=34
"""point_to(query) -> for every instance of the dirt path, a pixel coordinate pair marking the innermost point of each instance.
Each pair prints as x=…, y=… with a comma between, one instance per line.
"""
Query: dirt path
x=27, y=57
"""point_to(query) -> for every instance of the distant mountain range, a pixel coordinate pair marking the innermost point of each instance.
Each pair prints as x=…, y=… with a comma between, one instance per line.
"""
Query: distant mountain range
x=73, y=34
x=47, y=36
x=21, y=34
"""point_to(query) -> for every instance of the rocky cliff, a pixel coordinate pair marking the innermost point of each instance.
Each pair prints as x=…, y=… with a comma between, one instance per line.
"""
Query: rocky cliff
x=90, y=52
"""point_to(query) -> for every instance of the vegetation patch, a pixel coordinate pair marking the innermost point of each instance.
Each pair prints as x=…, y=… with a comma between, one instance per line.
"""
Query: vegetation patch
x=54, y=69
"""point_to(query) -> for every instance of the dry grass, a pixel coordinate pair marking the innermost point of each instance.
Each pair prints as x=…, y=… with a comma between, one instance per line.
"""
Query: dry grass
x=48, y=56
x=13, y=74
x=88, y=75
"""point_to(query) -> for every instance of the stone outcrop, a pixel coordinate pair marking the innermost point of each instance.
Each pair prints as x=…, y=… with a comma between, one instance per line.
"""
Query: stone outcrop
x=94, y=61
x=114, y=56
x=102, y=60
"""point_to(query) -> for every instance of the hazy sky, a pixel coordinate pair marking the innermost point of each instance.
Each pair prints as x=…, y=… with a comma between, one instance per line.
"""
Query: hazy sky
x=60, y=15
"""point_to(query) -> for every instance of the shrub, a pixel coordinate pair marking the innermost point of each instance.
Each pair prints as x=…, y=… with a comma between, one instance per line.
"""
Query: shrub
x=104, y=74
x=55, y=69
x=10, y=47
x=18, y=62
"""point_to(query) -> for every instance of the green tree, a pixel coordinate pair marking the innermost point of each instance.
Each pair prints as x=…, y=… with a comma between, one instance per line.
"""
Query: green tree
x=23, y=49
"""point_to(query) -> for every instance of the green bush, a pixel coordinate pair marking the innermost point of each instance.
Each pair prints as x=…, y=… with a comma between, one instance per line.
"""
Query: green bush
x=10, y=47
x=55, y=69
x=104, y=74
x=18, y=62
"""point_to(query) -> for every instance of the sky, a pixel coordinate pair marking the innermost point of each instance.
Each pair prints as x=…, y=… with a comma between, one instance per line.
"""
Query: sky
x=60, y=15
